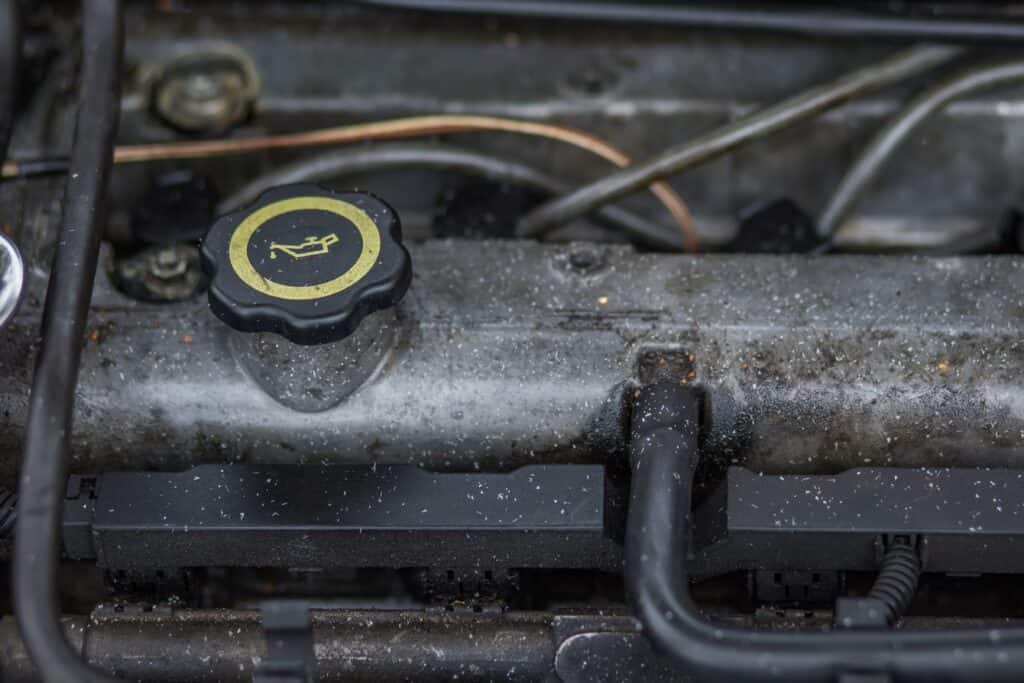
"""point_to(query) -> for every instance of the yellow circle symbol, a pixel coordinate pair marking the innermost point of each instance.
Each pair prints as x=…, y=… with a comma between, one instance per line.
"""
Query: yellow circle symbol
x=238, y=248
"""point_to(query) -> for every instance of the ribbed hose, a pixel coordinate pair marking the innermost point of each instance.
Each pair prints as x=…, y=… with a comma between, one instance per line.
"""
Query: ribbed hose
x=897, y=580
x=8, y=502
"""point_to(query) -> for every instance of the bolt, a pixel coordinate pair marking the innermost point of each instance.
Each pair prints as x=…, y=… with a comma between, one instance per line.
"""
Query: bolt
x=581, y=260
x=168, y=264
x=202, y=87
x=585, y=260
x=208, y=100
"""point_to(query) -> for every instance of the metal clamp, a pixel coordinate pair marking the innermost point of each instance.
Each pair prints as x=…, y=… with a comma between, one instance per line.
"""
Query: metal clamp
x=289, y=632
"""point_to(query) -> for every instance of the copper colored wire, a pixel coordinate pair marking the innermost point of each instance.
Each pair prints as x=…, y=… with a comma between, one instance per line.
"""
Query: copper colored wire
x=403, y=128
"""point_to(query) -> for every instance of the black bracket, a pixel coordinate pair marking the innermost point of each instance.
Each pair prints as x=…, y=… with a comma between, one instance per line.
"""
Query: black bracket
x=288, y=628
x=392, y=516
x=968, y=521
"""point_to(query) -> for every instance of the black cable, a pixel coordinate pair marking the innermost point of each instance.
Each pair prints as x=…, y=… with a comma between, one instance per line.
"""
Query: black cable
x=10, y=63
x=883, y=146
x=664, y=452
x=334, y=163
x=830, y=22
x=10, y=68
x=759, y=124
x=897, y=579
x=8, y=502
x=44, y=468
x=33, y=168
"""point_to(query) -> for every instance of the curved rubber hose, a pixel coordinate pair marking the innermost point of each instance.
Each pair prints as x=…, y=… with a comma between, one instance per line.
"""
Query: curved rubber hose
x=44, y=468
x=885, y=143
x=664, y=451
x=10, y=62
x=742, y=131
x=334, y=163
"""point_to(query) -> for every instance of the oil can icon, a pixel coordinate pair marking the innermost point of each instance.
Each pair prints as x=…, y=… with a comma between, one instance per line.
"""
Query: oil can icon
x=311, y=246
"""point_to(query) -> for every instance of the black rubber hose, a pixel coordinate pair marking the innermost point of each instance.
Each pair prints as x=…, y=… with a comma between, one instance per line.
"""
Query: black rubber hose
x=664, y=452
x=742, y=131
x=897, y=580
x=831, y=22
x=44, y=467
x=334, y=163
x=10, y=68
x=34, y=168
x=887, y=141
x=8, y=502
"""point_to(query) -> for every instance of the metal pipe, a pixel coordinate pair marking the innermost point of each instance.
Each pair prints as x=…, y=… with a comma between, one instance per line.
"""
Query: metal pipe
x=222, y=646
x=742, y=131
x=883, y=146
x=334, y=163
x=831, y=22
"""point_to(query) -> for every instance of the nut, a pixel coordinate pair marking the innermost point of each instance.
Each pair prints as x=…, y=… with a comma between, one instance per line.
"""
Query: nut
x=205, y=92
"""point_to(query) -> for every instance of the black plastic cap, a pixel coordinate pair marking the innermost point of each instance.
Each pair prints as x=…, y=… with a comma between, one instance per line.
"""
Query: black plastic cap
x=306, y=263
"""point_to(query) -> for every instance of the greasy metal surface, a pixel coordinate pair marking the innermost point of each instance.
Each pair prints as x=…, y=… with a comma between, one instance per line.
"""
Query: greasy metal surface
x=643, y=88
x=610, y=658
x=812, y=366
x=223, y=646
x=506, y=355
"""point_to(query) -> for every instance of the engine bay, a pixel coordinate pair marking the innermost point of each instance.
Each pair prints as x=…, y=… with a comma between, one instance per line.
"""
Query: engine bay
x=579, y=341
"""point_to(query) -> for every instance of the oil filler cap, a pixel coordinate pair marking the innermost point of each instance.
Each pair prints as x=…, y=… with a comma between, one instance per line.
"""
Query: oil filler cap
x=306, y=263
